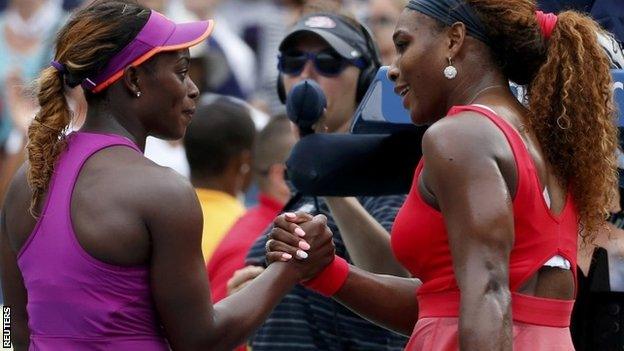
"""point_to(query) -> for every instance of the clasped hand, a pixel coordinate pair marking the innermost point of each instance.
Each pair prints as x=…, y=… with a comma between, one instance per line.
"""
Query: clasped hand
x=304, y=237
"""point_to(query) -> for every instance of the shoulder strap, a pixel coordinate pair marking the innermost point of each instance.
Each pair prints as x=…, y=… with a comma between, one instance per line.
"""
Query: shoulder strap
x=55, y=215
x=524, y=163
x=80, y=146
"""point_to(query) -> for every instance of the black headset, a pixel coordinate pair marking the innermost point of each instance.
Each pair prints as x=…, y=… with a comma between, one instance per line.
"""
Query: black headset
x=367, y=74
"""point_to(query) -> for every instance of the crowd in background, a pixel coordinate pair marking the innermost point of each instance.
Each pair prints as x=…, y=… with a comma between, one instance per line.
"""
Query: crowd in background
x=241, y=57
x=231, y=171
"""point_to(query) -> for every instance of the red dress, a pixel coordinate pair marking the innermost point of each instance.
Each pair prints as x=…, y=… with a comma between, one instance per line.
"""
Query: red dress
x=420, y=242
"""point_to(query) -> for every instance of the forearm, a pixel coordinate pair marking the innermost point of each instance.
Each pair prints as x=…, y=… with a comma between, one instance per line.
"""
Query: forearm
x=485, y=321
x=385, y=300
x=367, y=242
x=238, y=315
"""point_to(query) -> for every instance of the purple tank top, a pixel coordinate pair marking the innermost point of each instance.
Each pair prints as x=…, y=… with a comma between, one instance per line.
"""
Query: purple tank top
x=76, y=302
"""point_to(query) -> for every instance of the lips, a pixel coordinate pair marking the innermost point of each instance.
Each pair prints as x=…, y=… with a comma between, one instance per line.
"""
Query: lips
x=189, y=112
x=402, y=90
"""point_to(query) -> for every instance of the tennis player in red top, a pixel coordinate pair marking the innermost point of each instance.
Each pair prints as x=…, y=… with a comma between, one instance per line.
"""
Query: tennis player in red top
x=491, y=224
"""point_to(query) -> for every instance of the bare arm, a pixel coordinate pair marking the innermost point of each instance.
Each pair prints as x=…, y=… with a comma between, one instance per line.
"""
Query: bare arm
x=462, y=172
x=383, y=299
x=180, y=286
x=13, y=290
x=367, y=241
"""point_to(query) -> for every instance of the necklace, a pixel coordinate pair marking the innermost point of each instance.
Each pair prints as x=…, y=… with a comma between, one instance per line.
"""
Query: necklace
x=474, y=97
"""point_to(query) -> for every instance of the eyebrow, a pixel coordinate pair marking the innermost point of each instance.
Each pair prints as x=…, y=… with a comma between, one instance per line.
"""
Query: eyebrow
x=184, y=59
x=397, y=33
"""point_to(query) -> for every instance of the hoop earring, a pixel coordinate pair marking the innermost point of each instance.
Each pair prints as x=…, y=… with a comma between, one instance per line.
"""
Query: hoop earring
x=450, y=71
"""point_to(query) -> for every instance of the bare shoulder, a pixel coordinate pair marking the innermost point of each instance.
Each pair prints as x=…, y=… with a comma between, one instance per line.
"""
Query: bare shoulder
x=18, y=188
x=145, y=183
x=18, y=195
x=462, y=138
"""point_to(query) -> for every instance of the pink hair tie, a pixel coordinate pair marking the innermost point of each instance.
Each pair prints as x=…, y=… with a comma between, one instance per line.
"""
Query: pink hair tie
x=547, y=22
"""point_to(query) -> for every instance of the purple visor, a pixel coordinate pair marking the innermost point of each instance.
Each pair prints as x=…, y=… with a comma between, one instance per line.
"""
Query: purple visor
x=159, y=34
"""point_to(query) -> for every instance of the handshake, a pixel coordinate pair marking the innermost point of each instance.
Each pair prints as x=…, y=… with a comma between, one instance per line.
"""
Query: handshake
x=304, y=241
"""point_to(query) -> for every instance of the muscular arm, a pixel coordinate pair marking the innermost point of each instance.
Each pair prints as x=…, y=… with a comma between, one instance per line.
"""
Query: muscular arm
x=463, y=173
x=367, y=241
x=179, y=282
x=385, y=300
x=13, y=288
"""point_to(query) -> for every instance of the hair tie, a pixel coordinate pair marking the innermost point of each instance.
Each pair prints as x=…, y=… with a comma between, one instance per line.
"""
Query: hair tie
x=59, y=66
x=547, y=22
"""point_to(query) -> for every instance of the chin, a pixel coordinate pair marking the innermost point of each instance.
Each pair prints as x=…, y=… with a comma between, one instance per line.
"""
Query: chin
x=171, y=134
x=418, y=119
x=423, y=118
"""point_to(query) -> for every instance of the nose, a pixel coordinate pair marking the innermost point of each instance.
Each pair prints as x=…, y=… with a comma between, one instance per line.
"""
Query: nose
x=308, y=71
x=193, y=91
x=393, y=71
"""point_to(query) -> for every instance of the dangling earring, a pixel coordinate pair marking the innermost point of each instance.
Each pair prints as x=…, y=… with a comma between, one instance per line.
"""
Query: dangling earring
x=450, y=71
x=138, y=94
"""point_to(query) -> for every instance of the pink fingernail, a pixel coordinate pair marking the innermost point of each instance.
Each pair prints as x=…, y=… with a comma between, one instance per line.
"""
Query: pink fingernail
x=290, y=215
x=286, y=256
x=303, y=245
x=299, y=231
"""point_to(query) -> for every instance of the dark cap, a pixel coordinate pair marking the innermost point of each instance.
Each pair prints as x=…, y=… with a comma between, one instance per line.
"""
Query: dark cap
x=348, y=41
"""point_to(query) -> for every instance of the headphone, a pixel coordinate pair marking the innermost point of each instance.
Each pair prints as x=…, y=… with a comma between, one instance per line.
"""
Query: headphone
x=366, y=76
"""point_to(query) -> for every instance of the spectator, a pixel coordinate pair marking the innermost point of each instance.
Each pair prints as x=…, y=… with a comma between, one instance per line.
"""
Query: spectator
x=25, y=29
x=381, y=18
x=271, y=149
x=218, y=146
x=100, y=247
x=262, y=26
x=305, y=320
x=230, y=61
x=492, y=228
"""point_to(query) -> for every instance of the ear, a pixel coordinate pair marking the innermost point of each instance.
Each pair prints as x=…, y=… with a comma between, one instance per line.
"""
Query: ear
x=245, y=161
x=456, y=36
x=244, y=169
x=276, y=172
x=131, y=80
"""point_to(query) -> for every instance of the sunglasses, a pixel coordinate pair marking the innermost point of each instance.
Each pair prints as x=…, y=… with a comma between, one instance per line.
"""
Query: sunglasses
x=326, y=63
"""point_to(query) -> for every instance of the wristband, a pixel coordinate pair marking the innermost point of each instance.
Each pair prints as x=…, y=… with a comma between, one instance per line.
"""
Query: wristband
x=330, y=279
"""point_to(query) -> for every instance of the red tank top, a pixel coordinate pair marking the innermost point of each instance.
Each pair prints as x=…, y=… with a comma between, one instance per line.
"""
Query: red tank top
x=420, y=241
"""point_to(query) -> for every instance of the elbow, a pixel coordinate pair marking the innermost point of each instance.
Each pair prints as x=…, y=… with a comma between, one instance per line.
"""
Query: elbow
x=20, y=343
x=495, y=291
x=489, y=296
x=20, y=338
x=497, y=285
x=498, y=296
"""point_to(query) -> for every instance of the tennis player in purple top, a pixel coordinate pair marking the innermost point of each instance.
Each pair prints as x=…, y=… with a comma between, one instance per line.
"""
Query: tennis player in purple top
x=100, y=247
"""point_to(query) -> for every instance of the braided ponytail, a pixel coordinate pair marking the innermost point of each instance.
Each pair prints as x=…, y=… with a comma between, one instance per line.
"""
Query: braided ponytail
x=46, y=133
x=83, y=47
